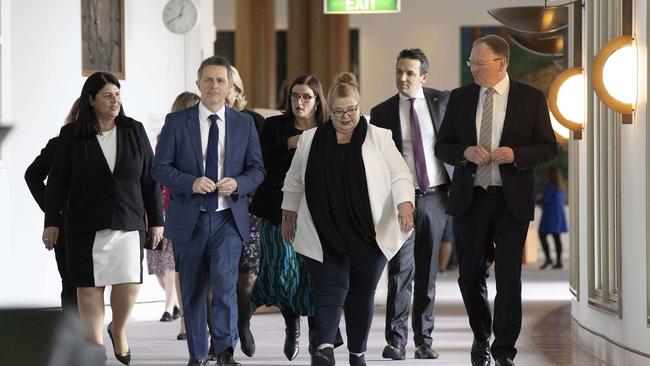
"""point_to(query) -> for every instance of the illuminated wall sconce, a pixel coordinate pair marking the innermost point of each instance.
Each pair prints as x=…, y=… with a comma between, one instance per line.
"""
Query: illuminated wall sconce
x=561, y=133
x=614, y=75
x=566, y=101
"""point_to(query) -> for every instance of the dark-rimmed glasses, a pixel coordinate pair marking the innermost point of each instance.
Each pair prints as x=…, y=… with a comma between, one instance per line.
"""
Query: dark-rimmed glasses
x=339, y=113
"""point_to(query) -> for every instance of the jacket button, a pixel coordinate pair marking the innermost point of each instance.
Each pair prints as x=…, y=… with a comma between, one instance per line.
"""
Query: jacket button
x=473, y=175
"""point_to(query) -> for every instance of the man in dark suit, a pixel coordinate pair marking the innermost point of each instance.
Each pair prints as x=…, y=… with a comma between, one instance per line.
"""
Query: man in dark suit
x=209, y=156
x=494, y=132
x=414, y=115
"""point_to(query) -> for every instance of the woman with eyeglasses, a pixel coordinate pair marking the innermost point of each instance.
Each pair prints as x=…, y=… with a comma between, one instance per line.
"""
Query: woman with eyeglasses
x=282, y=280
x=347, y=208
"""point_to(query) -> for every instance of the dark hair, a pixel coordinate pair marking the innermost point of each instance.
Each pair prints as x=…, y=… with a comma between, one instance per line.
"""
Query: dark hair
x=345, y=85
x=415, y=54
x=555, y=177
x=497, y=44
x=86, y=124
x=216, y=60
x=322, y=111
x=185, y=100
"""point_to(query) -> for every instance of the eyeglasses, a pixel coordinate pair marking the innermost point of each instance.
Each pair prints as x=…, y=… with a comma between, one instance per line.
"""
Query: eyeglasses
x=339, y=113
x=305, y=98
x=469, y=63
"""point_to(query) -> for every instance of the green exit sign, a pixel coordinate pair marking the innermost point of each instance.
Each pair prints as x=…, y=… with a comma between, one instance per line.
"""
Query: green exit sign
x=361, y=6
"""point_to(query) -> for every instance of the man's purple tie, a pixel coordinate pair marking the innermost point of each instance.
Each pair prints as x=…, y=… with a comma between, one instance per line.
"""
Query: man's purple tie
x=210, y=201
x=418, y=149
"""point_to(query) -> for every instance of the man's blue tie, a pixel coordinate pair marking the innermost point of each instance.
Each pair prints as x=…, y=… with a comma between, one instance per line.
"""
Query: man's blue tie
x=210, y=201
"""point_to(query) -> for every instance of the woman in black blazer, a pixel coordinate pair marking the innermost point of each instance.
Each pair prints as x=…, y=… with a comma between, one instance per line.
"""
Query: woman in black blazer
x=100, y=189
x=35, y=176
x=282, y=280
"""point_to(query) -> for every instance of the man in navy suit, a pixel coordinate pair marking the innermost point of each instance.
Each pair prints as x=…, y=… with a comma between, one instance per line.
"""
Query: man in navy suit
x=209, y=156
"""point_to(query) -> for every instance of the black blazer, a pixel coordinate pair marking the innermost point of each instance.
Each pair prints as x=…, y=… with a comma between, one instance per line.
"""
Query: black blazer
x=37, y=172
x=527, y=130
x=386, y=115
x=267, y=202
x=257, y=118
x=81, y=184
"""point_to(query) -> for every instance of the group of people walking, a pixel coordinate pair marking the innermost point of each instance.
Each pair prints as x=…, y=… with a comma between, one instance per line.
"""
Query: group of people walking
x=304, y=210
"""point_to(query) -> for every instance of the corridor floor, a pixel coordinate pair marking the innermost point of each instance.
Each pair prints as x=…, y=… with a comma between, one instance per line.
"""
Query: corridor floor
x=546, y=326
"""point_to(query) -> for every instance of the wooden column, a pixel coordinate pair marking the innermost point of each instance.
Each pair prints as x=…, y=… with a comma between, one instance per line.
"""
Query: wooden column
x=255, y=50
x=317, y=44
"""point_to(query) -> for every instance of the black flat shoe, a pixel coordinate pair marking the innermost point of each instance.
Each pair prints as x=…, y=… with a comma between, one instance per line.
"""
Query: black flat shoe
x=124, y=359
x=212, y=354
x=480, y=354
x=166, y=317
x=357, y=360
x=323, y=357
x=225, y=358
x=426, y=352
x=394, y=353
x=176, y=313
x=181, y=336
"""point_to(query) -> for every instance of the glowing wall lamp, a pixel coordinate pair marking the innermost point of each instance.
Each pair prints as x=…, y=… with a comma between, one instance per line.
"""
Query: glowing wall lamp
x=614, y=76
x=566, y=100
x=561, y=133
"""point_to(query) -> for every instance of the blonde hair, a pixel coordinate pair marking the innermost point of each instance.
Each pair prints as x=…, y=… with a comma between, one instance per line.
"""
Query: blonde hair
x=185, y=100
x=73, y=113
x=240, y=100
x=345, y=85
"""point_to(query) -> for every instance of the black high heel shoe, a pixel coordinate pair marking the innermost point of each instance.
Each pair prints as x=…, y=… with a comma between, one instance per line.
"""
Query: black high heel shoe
x=124, y=359
x=546, y=264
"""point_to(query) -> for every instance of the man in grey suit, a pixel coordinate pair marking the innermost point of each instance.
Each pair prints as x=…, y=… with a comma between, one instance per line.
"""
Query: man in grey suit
x=414, y=116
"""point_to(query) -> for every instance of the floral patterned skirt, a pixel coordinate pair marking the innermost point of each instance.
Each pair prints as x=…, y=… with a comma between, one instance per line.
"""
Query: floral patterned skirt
x=249, y=262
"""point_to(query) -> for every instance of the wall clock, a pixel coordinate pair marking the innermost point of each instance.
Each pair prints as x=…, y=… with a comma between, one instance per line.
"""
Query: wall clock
x=180, y=16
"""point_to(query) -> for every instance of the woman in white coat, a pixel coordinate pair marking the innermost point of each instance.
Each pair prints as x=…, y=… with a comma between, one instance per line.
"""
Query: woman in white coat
x=347, y=209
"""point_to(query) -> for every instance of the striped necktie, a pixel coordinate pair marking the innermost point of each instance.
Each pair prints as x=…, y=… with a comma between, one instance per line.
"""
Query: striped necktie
x=484, y=172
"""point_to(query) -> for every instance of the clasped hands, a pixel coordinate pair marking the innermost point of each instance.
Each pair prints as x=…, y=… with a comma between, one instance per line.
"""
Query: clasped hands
x=226, y=186
x=480, y=156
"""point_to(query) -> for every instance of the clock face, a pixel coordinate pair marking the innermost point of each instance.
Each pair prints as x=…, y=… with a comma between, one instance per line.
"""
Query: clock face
x=180, y=16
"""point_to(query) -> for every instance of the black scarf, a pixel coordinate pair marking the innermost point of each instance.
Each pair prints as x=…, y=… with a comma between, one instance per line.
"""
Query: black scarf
x=337, y=192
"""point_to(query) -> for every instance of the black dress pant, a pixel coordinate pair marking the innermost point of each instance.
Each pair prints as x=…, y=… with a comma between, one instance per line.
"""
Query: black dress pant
x=68, y=290
x=416, y=261
x=338, y=283
x=489, y=233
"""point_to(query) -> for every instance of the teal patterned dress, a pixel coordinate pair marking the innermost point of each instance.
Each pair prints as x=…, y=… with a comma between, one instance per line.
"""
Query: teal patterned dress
x=282, y=280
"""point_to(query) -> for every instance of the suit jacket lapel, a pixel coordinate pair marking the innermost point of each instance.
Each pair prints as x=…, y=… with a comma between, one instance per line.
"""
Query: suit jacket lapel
x=194, y=128
x=98, y=153
x=396, y=127
x=511, y=113
x=432, y=103
x=471, y=120
x=122, y=133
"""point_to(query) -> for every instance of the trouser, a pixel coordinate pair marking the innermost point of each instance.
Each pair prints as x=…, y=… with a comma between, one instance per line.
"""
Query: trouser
x=210, y=256
x=417, y=262
x=338, y=283
x=489, y=233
